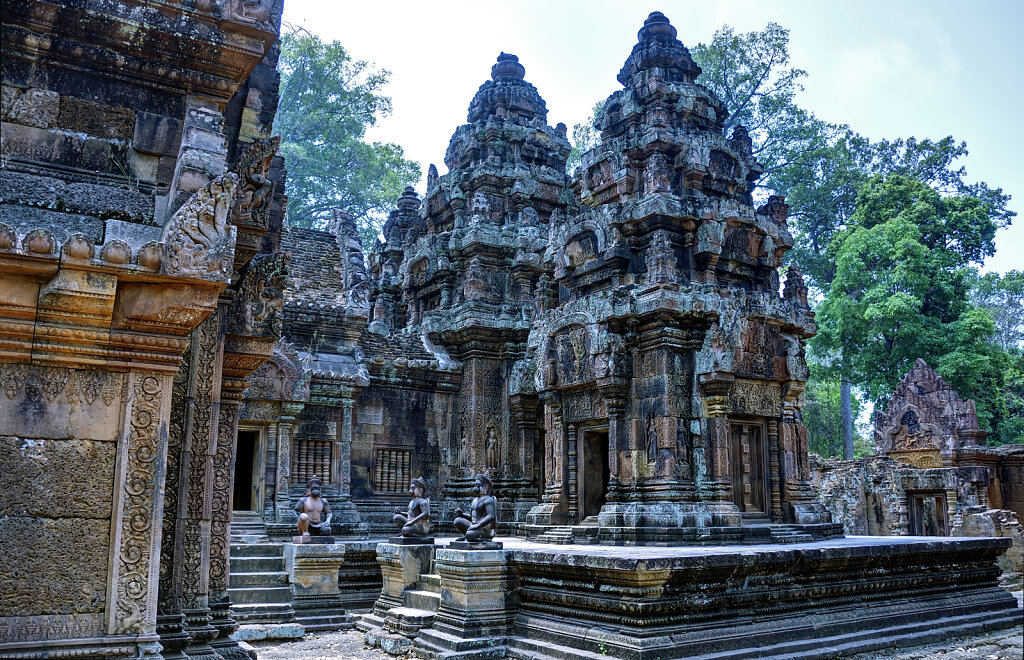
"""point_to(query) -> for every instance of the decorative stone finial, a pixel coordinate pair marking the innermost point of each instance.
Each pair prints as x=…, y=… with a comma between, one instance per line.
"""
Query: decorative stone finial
x=656, y=26
x=409, y=199
x=659, y=54
x=508, y=68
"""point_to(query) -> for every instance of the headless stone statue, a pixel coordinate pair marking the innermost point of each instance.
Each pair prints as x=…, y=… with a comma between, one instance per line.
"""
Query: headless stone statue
x=482, y=522
x=415, y=521
x=314, y=511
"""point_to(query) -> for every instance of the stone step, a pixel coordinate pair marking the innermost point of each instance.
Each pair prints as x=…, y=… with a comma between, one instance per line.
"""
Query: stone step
x=257, y=564
x=326, y=622
x=430, y=582
x=913, y=634
x=422, y=599
x=260, y=579
x=257, y=550
x=254, y=595
x=529, y=649
x=408, y=620
x=258, y=612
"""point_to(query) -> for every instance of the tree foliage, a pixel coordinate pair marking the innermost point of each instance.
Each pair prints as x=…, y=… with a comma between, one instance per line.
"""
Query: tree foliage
x=901, y=291
x=327, y=102
x=1003, y=298
x=751, y=75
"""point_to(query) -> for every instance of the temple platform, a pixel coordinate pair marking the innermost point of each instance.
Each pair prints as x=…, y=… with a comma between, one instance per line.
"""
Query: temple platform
x=820, y=599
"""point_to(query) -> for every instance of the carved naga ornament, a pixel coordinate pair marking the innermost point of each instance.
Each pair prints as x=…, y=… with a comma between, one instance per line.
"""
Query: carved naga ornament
x=256, y=310
x=198, y=240
x=252, y=204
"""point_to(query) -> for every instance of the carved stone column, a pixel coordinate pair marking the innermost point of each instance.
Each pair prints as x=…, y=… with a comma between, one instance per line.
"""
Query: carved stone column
x=220, y=540
x=573, y=515
x=138, y=506
x=200, y=430
x=775, y=480
x=617, y=442
x=553, y=506
x=715, y=487
x=290, y=411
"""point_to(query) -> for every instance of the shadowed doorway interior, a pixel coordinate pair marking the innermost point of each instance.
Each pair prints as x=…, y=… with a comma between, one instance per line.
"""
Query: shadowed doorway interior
x=245, y=461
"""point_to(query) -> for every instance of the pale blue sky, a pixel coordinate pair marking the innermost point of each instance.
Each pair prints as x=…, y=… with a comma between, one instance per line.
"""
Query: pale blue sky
x=888, y=69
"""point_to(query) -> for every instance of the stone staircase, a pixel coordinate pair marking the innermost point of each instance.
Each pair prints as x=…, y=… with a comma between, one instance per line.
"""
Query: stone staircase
x=247, y=526
x=394, y=633
x=258, y=584
x=786, y=534
x=561, y=535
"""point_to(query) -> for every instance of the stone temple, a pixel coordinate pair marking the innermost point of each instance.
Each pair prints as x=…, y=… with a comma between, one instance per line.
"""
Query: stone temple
x=614, y=350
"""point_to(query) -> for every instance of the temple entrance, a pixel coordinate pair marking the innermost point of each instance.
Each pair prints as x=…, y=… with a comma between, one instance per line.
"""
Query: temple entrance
x=749, y=482
x=594, y=472
x=927, y=512
x=245, y=496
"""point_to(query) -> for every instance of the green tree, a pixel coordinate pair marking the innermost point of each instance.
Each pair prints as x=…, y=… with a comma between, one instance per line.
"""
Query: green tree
x=327, y=102
x=750, y=74
x=1003, y=298
x=901, y=291
x=822, y=414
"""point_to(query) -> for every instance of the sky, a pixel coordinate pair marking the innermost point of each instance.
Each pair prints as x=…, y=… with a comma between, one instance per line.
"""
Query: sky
x=888, y=69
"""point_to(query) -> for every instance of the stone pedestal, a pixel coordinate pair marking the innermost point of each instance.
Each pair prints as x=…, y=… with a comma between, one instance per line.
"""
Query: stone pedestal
x=313, y=575
x=400, y=568
x=478, y=604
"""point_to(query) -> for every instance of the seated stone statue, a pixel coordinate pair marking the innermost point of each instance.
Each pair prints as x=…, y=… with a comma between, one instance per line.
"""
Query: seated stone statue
x=415, y=521
x=314, y=511
x=483, y=518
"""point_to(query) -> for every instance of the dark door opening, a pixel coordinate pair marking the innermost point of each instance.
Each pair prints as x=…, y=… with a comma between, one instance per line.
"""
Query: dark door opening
x=595, y=473
x=245, y=457
x=927, y=512
x=749, y=490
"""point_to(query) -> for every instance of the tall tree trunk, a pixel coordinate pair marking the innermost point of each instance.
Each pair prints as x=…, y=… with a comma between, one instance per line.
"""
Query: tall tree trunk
x=847, y=417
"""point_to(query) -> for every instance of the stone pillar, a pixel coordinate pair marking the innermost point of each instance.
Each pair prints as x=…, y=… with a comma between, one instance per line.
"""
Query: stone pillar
x=290, y=411
x=200, y=430
x=553, y=506
x=220, y=533
x=715, y=486
x=313, y=574
x=170, y=619
x=138, y=505
x=478, y=603
x=617, y=443
x=775, y=480
x=572, y=440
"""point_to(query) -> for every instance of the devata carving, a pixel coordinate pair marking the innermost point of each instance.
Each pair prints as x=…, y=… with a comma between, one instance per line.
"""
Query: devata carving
x=256, y=309
x=255, y=189
x=199, y=241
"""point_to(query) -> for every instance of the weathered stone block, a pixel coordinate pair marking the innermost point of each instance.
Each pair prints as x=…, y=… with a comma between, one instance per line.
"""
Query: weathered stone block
x=97, y=119
x=41, y=477
x=108, y=201
x=156, y=134
x=36, y=107
x=62, y=571
x=24, y=219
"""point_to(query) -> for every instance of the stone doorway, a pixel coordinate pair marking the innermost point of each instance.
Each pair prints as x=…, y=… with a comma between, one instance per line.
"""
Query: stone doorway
x=246, y=487
x=749, y=476
x=927, y=512
x=594, y=472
